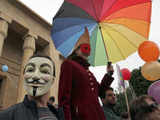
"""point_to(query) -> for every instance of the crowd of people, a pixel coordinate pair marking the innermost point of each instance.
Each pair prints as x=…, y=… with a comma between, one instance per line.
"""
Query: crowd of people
x=78, y=92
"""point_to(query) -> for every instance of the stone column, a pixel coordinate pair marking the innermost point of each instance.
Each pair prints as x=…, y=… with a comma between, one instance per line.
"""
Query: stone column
x=28, y=51
x=3, y=33
x=4, y=21
x=55, y=57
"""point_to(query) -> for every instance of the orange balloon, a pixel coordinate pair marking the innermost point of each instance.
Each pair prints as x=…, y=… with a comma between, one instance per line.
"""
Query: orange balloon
x=149, y=51
x=151, y=71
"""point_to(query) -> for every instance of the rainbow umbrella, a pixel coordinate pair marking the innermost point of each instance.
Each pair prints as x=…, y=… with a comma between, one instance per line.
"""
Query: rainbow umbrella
x=116, y=27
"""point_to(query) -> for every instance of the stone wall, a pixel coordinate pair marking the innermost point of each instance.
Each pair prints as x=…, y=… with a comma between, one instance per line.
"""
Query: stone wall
x=22, y=22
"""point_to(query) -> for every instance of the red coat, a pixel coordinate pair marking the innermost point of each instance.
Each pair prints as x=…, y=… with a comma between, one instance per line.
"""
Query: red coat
x=78, y=92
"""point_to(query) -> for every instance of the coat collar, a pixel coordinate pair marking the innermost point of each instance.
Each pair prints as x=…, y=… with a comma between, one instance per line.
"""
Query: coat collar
x=81, y=61
x=31, y=105
x=110, y=107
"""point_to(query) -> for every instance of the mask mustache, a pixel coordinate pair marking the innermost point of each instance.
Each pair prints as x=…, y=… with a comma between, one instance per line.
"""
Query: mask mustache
x=34, y=91
x=36, y=81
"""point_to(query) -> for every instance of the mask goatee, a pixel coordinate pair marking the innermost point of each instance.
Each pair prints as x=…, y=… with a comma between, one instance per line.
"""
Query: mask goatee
x=34, y=91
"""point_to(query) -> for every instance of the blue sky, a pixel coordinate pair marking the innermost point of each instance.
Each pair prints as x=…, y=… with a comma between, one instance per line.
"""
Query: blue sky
x=48, y=8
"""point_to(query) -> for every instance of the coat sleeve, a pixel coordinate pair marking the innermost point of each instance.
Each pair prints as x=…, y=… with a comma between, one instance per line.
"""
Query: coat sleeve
x=106, y=82
x=65, y=87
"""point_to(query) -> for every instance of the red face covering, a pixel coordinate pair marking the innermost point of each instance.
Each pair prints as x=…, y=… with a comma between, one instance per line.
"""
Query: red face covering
x=85, y=48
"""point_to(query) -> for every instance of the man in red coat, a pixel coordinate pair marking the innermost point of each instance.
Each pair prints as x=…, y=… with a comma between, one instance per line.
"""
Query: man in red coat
x=78, y=88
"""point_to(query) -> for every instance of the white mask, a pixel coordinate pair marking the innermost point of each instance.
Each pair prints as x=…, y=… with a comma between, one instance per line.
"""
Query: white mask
x=38, y=76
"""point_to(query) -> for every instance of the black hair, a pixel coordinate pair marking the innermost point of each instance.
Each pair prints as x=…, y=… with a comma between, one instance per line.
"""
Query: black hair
x=102, y=91
x=49, y=58
x=52, y=99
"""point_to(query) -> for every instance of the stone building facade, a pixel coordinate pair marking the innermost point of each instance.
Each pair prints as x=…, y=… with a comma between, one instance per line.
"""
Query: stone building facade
x=22, y=33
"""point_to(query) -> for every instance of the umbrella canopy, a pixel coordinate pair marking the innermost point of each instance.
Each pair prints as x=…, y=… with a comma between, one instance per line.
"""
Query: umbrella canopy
x=116, y=27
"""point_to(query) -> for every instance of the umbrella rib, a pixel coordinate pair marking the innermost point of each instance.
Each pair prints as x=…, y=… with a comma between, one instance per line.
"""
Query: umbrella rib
x=95, y=49
x=108, y=8
x=125, y=18
x=104, y=43
x=93, y=22
x=67, y=40
x=124, y=35
x=130, y=28
x=82, y=9
x=94, y=9
x=127, y=7
x=73, y=32
x=116, y=43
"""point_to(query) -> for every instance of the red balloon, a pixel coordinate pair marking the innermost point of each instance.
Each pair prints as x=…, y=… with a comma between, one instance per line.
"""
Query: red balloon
x=126, y=74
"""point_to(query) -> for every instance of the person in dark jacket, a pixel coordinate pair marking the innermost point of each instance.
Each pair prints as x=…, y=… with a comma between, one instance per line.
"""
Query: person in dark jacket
x=109, y=101
x=51, y=100
x=51, y=106
x=39, y=75
x=78, y=88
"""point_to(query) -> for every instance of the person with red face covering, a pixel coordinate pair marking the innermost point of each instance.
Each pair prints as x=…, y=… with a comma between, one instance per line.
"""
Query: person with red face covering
x=78, y=88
